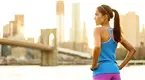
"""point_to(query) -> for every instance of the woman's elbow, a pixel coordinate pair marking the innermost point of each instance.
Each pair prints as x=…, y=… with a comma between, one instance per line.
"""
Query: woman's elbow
x=133, y=51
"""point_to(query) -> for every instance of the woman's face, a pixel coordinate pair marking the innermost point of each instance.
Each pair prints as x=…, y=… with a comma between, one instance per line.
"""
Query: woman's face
x=99, y=18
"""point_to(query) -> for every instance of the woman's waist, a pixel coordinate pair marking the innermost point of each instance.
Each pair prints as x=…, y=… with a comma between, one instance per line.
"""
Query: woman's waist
x=108, y=66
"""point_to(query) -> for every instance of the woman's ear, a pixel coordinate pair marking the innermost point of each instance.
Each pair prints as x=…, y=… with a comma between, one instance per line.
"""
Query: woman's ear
x=105, y=16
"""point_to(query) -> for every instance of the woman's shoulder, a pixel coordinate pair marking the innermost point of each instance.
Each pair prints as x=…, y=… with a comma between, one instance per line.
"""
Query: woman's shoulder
x=99, y=29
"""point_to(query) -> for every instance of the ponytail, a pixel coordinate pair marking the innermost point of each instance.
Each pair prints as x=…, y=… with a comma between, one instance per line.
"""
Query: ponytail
x=117, y=28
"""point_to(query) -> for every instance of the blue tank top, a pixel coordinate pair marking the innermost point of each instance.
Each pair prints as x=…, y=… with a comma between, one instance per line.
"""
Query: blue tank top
x=107, y=57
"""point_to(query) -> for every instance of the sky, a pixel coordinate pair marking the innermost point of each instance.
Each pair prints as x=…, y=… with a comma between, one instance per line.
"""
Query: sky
x=42, y=13
x=37, y=13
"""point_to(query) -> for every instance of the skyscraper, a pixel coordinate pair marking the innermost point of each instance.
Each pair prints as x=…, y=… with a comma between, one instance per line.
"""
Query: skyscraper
x=60, y=7
x=10, y=29
x=13, y=28
x=130, y=27
x=85, y=38
x=6, y=31
x=76, y=28
x=19, y=19
x=142, y=35
x=60, y=20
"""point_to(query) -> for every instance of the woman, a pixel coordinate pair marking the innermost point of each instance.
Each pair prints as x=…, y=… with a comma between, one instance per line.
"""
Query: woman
x=106, y=38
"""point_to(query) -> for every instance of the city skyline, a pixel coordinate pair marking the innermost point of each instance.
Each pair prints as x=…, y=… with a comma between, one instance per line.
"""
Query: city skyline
x=32, y=11
x=37, y=17
x=124, y=19
x=14, y=27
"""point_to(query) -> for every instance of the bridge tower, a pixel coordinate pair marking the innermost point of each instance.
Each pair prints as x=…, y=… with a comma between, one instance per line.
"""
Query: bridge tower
x=48, y=37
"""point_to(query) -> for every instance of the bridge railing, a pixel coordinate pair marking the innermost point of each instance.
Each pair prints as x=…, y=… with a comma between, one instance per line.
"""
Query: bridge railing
x=26, y=44
x=48, y=53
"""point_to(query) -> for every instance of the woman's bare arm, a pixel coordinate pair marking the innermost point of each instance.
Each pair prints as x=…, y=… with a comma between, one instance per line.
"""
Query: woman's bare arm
x=97, y=46
x=129, y=55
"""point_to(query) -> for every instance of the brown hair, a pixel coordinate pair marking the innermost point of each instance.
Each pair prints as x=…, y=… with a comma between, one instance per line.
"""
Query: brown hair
x=106, y=10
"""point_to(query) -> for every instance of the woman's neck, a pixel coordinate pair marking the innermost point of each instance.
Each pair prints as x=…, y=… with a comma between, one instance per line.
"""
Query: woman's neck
x=106, y=24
